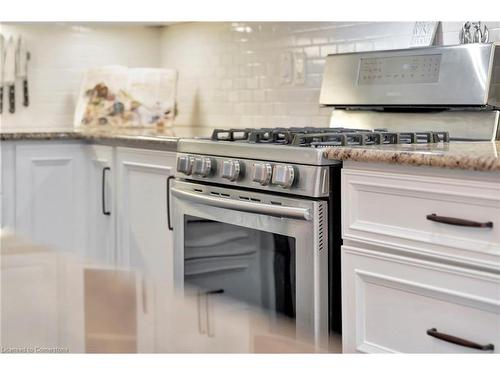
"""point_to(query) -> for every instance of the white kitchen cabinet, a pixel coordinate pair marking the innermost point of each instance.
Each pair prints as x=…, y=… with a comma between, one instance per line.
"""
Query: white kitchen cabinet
x=144, y=241
x=59, y=194
x=404, y=274
x=7, y=185
x=30, y=300
x=50, y=194
x=42, y=298
x=389, y=206
x=390, y=302
x=101, y=205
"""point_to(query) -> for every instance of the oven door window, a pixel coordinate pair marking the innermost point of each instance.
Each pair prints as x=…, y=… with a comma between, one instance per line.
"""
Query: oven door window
x=248, y=265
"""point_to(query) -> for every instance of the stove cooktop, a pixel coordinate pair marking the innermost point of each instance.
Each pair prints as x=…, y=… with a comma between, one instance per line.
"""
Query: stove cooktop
x=325, y=137
x=300, y=145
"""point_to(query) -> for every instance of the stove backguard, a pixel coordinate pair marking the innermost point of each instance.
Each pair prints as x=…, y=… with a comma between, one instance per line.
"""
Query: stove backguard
x=462, y=125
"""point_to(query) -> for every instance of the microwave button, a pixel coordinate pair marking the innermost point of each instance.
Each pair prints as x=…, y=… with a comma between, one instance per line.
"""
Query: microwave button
x=185, y=164
x=231, y=169
x=283, y=175
x=261, y=173
x=202, y=166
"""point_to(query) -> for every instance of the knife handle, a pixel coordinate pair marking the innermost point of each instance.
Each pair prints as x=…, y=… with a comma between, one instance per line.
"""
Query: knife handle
x=1, y=99
x=12, y=99
x=26, y=101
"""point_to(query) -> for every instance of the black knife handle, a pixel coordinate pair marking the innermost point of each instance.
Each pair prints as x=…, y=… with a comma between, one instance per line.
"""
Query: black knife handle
x=26, y=101
x=12, y=99
x=1, y=99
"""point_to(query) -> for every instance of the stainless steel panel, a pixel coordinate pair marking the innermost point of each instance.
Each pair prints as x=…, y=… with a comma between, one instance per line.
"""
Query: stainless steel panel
x=311, y=246
x=261, y=151
x=237, y=204
x=430, y=76
x=462, y=125
x=309, y=181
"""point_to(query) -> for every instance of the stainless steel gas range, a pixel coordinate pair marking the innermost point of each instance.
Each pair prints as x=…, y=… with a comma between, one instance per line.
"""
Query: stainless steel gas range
x=256, y=212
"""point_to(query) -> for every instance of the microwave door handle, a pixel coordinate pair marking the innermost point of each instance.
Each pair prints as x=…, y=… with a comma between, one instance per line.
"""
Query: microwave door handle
x=252, y=207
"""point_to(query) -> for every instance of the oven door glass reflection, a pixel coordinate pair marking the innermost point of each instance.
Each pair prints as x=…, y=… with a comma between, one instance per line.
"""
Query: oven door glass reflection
x=248, y=265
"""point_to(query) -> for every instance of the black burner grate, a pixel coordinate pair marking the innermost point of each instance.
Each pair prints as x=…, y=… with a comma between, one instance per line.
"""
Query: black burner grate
x=326, y=137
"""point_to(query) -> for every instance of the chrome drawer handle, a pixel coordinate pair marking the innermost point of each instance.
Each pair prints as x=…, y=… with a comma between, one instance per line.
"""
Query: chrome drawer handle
x=458, y=341
x=459, y=222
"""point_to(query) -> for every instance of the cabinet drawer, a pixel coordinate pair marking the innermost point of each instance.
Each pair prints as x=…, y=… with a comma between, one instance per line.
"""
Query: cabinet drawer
x=391, y=209
x=390, y=303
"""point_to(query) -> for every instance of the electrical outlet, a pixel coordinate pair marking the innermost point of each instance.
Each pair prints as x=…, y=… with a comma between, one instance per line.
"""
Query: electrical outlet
x=299, y=68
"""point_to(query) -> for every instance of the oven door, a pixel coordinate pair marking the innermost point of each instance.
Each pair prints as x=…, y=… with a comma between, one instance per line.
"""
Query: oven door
x=267, y=251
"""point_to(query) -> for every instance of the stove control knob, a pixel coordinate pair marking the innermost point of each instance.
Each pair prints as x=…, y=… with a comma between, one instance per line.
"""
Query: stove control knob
x=185, y=164
x=202, y=166
x=283, y=175
x=231, y=169
x=261, y=173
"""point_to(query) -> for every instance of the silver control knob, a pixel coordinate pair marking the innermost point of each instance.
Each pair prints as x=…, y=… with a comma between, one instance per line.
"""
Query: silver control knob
x=231, y=169
x=185, y=164
x=283, y=175
x=261, y=173
x=202, y=166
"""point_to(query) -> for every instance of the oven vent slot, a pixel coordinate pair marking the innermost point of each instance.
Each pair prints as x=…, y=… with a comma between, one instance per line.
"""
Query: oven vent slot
x=225, y=195
x=198, y=190
x=322, y=238
x=242, y=197
x=215, y=193
x=277, y=203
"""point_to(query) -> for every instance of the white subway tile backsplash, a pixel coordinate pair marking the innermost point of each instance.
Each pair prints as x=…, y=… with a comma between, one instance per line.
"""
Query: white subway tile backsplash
x=230, y=74
x=328, y=50
x=260, y=45
x=60, y=53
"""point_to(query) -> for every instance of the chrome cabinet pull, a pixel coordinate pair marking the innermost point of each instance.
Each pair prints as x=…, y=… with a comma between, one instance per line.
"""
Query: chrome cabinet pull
x=103, y=192
x=459, y=341
x=458, y=222
x=252, y=207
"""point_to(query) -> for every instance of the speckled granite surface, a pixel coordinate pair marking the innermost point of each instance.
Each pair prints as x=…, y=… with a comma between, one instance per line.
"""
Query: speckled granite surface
x=476, y=156
x=150, y=138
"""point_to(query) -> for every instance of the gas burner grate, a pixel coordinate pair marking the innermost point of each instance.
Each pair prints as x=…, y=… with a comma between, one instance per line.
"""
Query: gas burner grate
x=366, y=138
x=230, y=135
x=326, y=137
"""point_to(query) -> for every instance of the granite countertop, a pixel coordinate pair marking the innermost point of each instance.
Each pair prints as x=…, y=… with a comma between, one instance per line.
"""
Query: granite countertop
x=153, y=138
x=476, y=156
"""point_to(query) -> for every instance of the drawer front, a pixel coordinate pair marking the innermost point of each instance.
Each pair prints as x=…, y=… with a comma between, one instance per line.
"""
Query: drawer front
x=391, y=209
x=389, y=304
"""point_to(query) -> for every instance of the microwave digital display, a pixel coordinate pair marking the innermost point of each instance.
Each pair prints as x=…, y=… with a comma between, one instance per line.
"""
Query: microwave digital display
x=399, y=70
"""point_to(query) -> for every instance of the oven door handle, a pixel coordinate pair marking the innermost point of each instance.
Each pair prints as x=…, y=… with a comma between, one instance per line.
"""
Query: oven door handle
x=253, y=207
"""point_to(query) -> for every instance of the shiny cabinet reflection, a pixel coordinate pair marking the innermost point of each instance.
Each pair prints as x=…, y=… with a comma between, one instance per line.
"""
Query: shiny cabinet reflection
x=42, y=299
x=248, y=265
x=55, y=302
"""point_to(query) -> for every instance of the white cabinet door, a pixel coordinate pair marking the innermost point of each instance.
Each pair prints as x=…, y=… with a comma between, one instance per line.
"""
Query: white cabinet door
x=395, y=304
x=7, y=185
x=101, y=210
x=50, y=194
x=144, y=241
x=30, y=299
